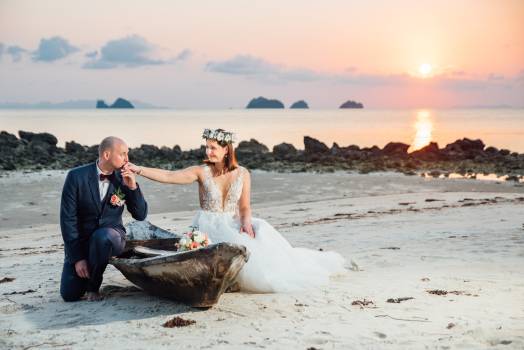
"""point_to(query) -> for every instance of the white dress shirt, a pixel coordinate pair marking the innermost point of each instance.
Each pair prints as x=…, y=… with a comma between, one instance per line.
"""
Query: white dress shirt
x=103, y=186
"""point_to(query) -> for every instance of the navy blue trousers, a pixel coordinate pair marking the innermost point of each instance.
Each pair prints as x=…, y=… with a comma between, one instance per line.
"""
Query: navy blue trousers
x=103, y=244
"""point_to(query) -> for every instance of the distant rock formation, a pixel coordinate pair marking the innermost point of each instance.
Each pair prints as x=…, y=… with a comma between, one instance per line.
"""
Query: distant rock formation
x=119, y=103
x=299, y=105
x=122, y=103
x=351, y=104
x=101, y=104
x=262, y=102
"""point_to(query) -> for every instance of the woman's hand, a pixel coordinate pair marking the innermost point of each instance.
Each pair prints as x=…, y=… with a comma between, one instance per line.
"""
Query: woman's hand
x=133, y=168
x=248, y=229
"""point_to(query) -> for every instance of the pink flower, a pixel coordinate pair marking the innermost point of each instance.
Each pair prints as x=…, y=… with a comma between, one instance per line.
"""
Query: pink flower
x=114, y=199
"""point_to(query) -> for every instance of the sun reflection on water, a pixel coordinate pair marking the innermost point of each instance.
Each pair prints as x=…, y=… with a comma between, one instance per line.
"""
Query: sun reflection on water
x=423, y=130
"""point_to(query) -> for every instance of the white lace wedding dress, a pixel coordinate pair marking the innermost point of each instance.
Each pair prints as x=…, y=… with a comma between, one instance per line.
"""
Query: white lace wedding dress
x=274, y=265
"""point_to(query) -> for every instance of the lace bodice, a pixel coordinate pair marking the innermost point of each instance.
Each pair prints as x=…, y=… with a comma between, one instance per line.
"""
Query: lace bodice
x=211, y=196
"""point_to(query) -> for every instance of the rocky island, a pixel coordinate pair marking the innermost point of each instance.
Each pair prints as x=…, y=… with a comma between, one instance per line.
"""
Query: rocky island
x=119, y=103
x=262, y=102
x=300, y=105
x=351, y=104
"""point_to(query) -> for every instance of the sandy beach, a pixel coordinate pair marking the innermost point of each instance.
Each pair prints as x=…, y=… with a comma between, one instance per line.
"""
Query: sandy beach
x=462, y=240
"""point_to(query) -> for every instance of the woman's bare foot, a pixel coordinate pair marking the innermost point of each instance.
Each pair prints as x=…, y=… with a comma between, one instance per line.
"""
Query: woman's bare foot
x=92, y=296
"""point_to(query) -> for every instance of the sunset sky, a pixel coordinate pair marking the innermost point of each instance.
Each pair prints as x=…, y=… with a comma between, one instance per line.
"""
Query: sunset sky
x=220, y=54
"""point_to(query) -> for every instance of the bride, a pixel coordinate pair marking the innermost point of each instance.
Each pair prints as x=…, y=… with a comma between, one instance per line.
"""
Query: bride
x=225, y=215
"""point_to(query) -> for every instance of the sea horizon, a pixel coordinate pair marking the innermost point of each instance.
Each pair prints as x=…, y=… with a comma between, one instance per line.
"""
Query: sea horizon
x=497, y=127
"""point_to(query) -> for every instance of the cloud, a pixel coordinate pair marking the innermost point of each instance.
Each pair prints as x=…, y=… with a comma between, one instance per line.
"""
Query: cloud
x=53, y=49
x=131, y=51
x=91, y=54
x=183, y=55
x=257, y=68
x=16, y=52
x=254, y=67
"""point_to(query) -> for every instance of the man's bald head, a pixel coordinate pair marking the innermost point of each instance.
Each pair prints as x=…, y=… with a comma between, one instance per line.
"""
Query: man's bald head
x=112, y=153
x=109, y=144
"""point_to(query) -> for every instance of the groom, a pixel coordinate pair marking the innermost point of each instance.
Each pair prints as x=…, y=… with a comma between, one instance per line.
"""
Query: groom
x=93, y=200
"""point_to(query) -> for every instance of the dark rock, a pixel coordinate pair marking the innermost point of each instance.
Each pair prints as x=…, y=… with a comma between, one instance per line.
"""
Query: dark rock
x=373, y=151
x=196, y=154
x=39, y=137
x=101, y=104
x=145, y=153
x=299, y=105
x=430, y=152
x=504, y=152
x=335, y=150
x=284, y=151
x=314, y=146
x=177, y=150
x=9, y=140
x=491, y=151
x=351, y=104
x=262, y=102
x=398, y=149
x=464, y=149
x=251, y=146
x=73, y=147
x=121, y=103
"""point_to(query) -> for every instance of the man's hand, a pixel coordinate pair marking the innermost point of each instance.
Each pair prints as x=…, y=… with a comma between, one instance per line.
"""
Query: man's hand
x=81, y=269
x=128, y=177
x=248, y=229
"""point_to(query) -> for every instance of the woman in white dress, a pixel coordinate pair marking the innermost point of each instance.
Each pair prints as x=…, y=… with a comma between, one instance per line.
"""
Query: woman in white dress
x=225, y=215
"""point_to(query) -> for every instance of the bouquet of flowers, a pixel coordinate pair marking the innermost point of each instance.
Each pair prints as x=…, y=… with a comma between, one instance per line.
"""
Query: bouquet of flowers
x=193, y=240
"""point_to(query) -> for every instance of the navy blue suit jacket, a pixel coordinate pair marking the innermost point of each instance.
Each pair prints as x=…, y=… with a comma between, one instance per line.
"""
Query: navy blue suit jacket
x=82, y=212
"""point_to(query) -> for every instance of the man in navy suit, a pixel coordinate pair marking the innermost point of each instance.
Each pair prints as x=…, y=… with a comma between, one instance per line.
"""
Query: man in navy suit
x=93, y=200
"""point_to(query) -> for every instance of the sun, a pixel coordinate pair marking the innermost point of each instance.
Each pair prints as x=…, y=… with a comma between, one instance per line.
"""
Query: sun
x=425, y=69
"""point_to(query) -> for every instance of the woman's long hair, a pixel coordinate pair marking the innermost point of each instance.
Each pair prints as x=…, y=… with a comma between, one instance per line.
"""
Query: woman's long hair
x=230, y=159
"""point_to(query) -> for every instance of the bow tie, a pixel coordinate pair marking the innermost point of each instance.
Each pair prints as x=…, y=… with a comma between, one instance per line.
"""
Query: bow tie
x=107, y=177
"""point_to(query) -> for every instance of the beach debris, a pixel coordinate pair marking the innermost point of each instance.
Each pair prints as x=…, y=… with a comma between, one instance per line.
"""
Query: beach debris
x=22, y=292
x=414, y=319
x=437, y=292
x=398, y=300
x=425, y=279
x=380, y=335
x=445, y=292
x=354, y=266
x=52, y=344
x=392, y=248
x=178, y=322
x=406, y=203
x=450, y=325
x=7, y=279
x=434, y=200
x=363, y=303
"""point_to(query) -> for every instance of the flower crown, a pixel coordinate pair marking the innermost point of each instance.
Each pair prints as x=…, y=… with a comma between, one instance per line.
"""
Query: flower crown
x=219, y=135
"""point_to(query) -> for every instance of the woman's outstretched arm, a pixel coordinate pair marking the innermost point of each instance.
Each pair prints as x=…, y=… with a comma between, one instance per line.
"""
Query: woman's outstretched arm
x=244, y=206
x=179, y=177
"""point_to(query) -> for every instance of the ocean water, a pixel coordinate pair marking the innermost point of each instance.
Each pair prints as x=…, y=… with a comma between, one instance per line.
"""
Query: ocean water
x=502, y=128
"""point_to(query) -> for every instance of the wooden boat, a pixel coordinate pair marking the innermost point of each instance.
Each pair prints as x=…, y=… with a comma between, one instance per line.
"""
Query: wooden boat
x=197, y=277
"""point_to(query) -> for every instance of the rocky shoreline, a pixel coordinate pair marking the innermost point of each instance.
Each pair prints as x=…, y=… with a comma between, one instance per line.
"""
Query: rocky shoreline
x=38, y=151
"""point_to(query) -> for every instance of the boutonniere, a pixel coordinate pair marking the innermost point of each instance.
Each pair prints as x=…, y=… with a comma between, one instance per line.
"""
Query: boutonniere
x=117, y=198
